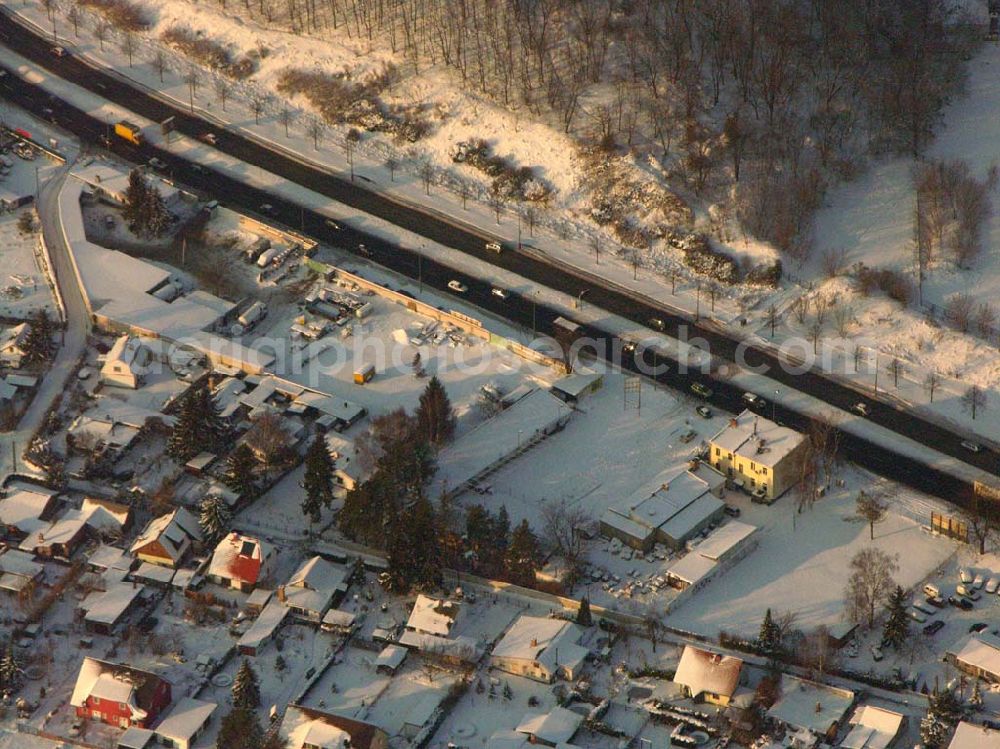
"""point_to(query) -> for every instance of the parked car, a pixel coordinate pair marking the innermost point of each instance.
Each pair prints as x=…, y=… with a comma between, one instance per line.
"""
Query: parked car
x=971, y=446
x=917, y=616
x=936, y=601
x=978, y=627
x=978, y=581
x=704, y=412
x=876, y=653
x=933, y=628
x=689, y=435
x=992, y=584
x=733, y=512
x=968, y=592
x=924, y=607
x=860, y=408
x=961, y=603
x=932, y=590
x=698, y=389
x=458, y=286
x=965, y=575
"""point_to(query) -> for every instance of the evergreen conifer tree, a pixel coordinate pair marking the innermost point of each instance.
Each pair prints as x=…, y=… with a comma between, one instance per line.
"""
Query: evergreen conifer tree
x=246, y=688
x=435, y=416
x=214, y=519
x=583, y=616
x=318, y=480
x=523, y=555
x=769, y=639
x=38, y=345
x=239, y=471
x=897, y=622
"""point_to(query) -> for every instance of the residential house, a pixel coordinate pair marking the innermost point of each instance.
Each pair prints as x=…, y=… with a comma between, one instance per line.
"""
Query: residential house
x=19, y=573
x=874, y=728
x=26, y=509
x=554, y=728
x=185, y=723
x=978, y=655
x=119, y=695
x=168, y=538
x=136, y=738
x=723, y=548
x=682, y=504
x=103, y=611
x=708, y=677
x=972, y=736
x=805, y=705
x=264, y=628
x=126, y=363
x=542, y=649
x=308, y=728
x=758, y=455
x=312, y=590
x=240, y=562
x=338, y=622
x=421, y=714
x=433, y=616
x=100, y=434
x=430, y=629
x=12, y=345
x=106, y=517
x=59, y=539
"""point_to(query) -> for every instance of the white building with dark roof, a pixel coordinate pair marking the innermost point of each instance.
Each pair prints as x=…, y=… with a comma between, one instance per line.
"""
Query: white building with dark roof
x=126, y=362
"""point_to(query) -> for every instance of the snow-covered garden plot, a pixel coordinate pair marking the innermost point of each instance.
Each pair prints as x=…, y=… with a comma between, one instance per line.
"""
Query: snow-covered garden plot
x=24, y=284
x=349, y=686
x=802, y=561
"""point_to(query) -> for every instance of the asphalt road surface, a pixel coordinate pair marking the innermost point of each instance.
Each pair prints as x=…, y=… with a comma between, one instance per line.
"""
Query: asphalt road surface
x=515, y=308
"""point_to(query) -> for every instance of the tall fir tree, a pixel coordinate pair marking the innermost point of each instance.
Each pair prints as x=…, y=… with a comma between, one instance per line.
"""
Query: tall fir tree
x=896, y=629
x=239, y=474
x=933, y=732
x=240, y=729
x=318, y=480
x=769, y=639
x=214, y=518
x=523, y=555
x=198, y=427
x=435, y=416
x=246, y=687
x=135, y=201
x=157, y=216
x=583, y=616
x=38, y=344
x=414, y=554
x=976, y=698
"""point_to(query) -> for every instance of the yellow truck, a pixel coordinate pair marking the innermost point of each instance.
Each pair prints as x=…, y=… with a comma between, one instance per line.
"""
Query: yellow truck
x=128, y=131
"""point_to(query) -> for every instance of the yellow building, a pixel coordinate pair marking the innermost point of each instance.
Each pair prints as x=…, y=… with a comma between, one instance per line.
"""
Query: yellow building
x=757, y=454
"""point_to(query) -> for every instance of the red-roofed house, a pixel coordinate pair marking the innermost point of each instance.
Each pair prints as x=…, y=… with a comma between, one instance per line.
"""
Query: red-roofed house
x=240, y=562
x=119, y=695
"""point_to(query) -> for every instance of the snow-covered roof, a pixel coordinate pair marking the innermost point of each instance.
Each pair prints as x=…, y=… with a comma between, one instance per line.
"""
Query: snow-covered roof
x=135, y=738
x=757, y=438
x=507, y=740
x=109, y=606
x=154, y=573
x=461, y=647
x=12, y=338
x=303, y=727
x=106, y=557
x=872, y=728
x=241, y=558
x=270, y=618
x=62, y=531
x=100, y=513
x=125, y=351
x=704, y=671
x=980, y=650
x=550, y=642
x=23, y=509
x=185, y=720
x=691, y=568
x=259, y=598
x=115, y=683
x=391, y=657
x=433, y=616
x=555, y=727
x=724, y=538
x=335, y=618
x=174, y=531
x=314, y=584
x=971, y=736
x=494, y=439
x=577, y=383
x=17, y=562
x=809, y=705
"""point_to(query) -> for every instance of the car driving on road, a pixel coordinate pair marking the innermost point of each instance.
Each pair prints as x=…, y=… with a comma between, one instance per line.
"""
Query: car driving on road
x=457, y=286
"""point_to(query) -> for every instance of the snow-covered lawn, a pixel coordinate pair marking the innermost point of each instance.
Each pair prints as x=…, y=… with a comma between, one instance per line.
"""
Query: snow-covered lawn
x=24, y=285
x=802, y=563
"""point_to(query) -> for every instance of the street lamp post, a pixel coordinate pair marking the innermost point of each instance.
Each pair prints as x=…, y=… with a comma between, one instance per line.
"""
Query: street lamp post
x=579, y=299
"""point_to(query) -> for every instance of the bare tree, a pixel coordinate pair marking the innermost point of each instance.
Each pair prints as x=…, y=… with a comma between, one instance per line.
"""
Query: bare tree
x=258, y=103
x=843, y=315
x=392, y=165
x=870, y=508
x=772, y=318
x=870, y=584
x=268, y=439
x=192, y=78
x=464, y=192
x=985, y=319
x=316, y=129
x=426, y=173
x=102, y=30
x=222, y=90
x=932, y=381
x=160, y=63
x=983, y=518
x=531, y=217
x=497, y=202
x=958, y=310
x=562, y=525
x=974, y=400
x=595, y=243
x=128, y=45
x=287, y=116
x=895, y=368
x=74, y=15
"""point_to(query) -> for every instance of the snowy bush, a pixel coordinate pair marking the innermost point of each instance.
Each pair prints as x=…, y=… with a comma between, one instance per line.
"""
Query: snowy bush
x=121, y=14
x=208, y=52
x=509, y=181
